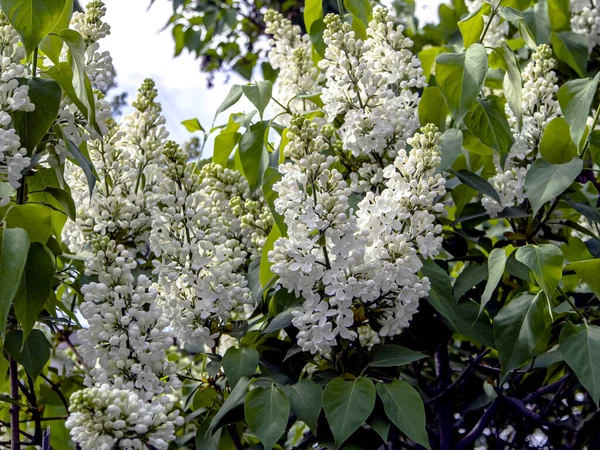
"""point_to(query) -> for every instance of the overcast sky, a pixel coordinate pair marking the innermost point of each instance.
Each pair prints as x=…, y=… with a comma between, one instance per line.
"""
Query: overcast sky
x=140, y=50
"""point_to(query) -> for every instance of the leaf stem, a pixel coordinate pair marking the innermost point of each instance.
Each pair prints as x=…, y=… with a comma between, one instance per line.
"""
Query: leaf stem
x=34, y=63
x=14, y=409
x=572, y=304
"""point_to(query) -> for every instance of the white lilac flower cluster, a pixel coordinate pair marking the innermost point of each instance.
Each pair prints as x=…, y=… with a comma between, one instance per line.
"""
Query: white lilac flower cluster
x=14, y=98
x=126, y=341
x=105, y=418
x=585, y=20
x=291, y=53
x=128, y=162
x=373, y=83
x=337, y=261
x=540, y=106
x=98, y=65
x=205, y=230
x=498, y=29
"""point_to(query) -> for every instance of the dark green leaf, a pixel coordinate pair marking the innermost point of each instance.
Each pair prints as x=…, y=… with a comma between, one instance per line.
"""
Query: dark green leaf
x=33, y=354
x=267, y=410
x=576, y=98
x=546, y=263
x=487, y=121
x=476, y=182
x=35, y=219
x=306, y=399
x=14, y=246
x=347, y=405
x=451, y=147
x=33, y=19
x=559, y=14
x=518, y=328
x=253, y=154
x=545, y=181
x=392, y=356
x=35, y=287
x=512, y=83
x=432, y=108
x=235, y=399
x=580, y=346
x=259, y=94
x=556, y=145
x=33, y=126
x=404, y=407
x=572, y=49
x=460, y=77
x=235, y=93
x=239, y=363
x=496, y=265
x=52, y=45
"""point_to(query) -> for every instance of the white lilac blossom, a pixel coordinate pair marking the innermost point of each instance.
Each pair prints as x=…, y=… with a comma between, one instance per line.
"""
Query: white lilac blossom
x=14, y=98
x=336, y=261
x=374, y=84
x=127, y=160
x=540, y=106
x=291, y=53
x=497, y=31
x=401, y=230
x=126, y=342
x=585, y=20
x=202, y=247
x=98, y=65
x=105, y=418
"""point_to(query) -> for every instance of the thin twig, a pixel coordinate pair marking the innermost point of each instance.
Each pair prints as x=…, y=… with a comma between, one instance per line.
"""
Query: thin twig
x=14, y=409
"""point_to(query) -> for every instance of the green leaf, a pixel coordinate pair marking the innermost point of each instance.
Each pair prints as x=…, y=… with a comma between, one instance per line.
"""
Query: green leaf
x=235, y=93
x=556, y=145
x=471, y=27
x=306, y=400
x=512, y=83
x=65, y=200
x=572, y=49
x=427, y=57
x=80, y=81
x=545, y=181
x=259, y=94
x=225, y=142
x=404, y=407
x=463, y=317
x=33, y=126
x=460, y=77
x=576, y=98
x=271, y=177
x=192, y=125
x=518, y=328
x=265, y=265
x=347, y=405
x=588, y=271
x=392, y=355
x=85, y=163
x=496, y=265
x=235, y=399
x=546, y=263
x=580, y=346
x=539, y=23
x=267, y=410
x=35, y=287
x=516, y=17
x=432, y=108
x=254, y=156
x=239, y=363
x=35, y=219
x=313, y=10
x=33, y=354
x=559, y=14
x=487, y=121
x=14, y=245
x=360, y=9
x=476, y=182
x=40, y=185
x=52, y=45
x=33, y=19
x=470, y=277
x=205, y=439
x=451, y=147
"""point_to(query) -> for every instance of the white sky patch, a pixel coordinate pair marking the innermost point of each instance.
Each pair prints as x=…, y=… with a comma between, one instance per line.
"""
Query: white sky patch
x=141, y=50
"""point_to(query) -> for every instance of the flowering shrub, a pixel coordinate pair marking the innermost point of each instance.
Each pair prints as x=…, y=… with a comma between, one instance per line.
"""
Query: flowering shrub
x=409, y=211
